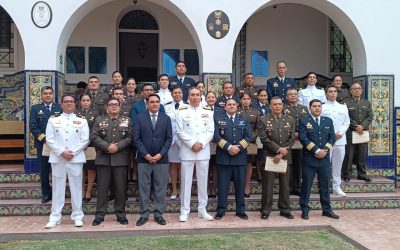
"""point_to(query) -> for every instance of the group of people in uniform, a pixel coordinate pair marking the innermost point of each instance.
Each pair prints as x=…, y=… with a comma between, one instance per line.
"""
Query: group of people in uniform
x=156, y=138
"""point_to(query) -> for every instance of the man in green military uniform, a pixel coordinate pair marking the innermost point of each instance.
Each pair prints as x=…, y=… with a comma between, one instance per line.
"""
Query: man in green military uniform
x=276, y=132
x=360, y=113
x=125, y=107
x=99, y=99
x=112, y=137
x=248, y=88
x=296, y=111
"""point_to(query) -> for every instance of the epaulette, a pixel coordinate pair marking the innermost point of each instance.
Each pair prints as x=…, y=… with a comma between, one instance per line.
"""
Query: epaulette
x=206, y=107
x=56, y=114
x=168, y=103
x=182, y=107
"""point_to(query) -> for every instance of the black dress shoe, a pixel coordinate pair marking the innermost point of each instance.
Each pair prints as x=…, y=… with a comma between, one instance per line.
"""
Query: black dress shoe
x=97, y=221
x=305, y=216
x=219, y=215
x=286, y=215
x=247, y=195
x=141, y=221
x=212, y=196
x=87, y=199
x=242, y=216
x=330, y=215
x=160, y=220
x=346, y=179
x=264, y=216
x=295, y=192
x=122, y=220
x=364, y=178
x=46, y=199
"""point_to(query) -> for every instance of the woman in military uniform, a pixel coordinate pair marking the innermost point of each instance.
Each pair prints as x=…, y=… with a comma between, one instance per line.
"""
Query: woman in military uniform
x=89, y=170
x=211, y=98
x=253, y=115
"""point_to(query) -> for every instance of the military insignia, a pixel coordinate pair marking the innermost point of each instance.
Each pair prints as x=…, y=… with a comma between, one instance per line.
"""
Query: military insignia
x=173, y=83
x=221, y=104
x=76, y=122
x=241, y=91
x=288, y=85
x=123, y=124
x=255, y=93
x=204, y=115
x=241, y=123
x=309, y=125
x=40, y=112
x=57, y=114
x=275, y=85
x=222, y=132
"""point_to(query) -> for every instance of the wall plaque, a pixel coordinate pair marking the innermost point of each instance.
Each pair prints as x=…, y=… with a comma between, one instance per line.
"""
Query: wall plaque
x=41, y=14
x=218, y=24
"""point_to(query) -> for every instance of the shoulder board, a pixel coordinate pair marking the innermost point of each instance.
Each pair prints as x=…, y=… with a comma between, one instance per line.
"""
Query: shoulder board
x=168, y=103
x=56, y=114
x=182, y=108
x=206, y=108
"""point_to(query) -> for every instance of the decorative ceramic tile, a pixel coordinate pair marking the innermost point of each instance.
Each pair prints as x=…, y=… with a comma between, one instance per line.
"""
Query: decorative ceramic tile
x=12, y=97
x=214, y=82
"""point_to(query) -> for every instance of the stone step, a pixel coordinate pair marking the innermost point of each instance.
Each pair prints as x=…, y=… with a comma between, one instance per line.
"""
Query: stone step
x=32, y=190
x=30, y=207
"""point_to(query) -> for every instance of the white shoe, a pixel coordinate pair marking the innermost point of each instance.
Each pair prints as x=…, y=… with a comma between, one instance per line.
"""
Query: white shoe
x=52, y=224
x=78, y=223
x=339, y=192
x=173, y=197
x=205, y=216
x=183, y=217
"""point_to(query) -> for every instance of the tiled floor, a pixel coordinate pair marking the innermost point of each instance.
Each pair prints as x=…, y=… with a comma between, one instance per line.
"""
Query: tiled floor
x=374, y=229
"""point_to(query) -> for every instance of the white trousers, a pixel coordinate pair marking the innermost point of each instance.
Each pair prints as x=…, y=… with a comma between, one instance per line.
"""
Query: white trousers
x=60, y=172
x=187, y=168
x=337, y=157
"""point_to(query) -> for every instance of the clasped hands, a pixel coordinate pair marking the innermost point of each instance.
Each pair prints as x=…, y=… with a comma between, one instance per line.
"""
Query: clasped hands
x=321, y=154
x=113, y=148
x=360, y=129
x=153, y=159
x=67, y=155
x=282, y=152
x=197, y=147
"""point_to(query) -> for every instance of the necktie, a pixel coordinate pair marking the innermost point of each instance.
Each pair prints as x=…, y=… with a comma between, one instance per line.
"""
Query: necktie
x=48, y=108
x=317, y=121
x=263, y=109
x=181, y=80
x=212, y=109
x=93, y=95
x=153, y=120
x=282, y=80
x=131, y=98
x=177, y=105
x=231, y=119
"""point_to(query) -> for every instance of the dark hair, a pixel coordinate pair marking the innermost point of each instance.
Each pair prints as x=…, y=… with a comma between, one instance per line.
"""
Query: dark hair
x=81, y=85
x=145, y=85
x=248, y=74
x=46, y=88
x=148, y=98
x=117, y=88
x=229, y=100
x=113, y=98
x=198, y=82
x=192, y=88
x=211, y=92
x=274, y=98
x=261, y=90
x=67, y=95
x=333, y=77
x=178, y=62
x=244, y=94
x=177, y=87
x=328, y=87
x=280, y=61
x=314, y=100
x=131, y=78
x=226, y=82
x=159, y=77
x=84, y=94
x=115, y=72
x=309, y=73
x=95, y=77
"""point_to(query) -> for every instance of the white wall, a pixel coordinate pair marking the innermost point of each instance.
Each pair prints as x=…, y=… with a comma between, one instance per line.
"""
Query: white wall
x=173, y=34
x=294, y=33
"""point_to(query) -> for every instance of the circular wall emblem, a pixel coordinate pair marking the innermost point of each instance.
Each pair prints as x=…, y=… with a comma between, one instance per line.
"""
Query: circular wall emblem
x=218, y=24
x=41, y=14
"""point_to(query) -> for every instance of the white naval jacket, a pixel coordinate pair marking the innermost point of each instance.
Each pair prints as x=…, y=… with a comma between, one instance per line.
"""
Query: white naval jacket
x=309, y=93
x=194, y=124
x=173, y=113
x=340, y=117
x=67, y=132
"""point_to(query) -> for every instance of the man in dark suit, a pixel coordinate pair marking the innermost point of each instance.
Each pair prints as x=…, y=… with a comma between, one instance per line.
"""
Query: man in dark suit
x=317, y=135
x=39, y=115
x=232, y=135
x=112, y=138
x=153, y=138
x=140, y=106
x=180, y=79
x=279, y=85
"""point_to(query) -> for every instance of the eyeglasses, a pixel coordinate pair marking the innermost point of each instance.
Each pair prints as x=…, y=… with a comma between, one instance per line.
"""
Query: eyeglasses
x=113, y=104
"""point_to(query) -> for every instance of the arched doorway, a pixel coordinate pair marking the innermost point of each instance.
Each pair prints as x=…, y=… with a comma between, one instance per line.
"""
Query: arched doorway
x=138, y=34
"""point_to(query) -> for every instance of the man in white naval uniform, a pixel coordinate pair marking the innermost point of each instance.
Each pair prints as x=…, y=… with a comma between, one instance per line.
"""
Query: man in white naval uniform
x=341, y=122
x=67, y=136
x=195, y=130
x=311, y=91
x=164, y=93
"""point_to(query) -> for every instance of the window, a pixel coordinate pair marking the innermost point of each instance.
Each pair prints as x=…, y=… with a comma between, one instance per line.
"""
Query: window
x=138, y=20
x=6, y=40
x=76, y=60
x=341, y=60
x=98, y=60
x=191, y=59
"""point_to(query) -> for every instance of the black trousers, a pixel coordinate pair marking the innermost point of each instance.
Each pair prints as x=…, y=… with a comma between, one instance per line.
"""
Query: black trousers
x=45, y=168
x=226, y=173
x=356, y=153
